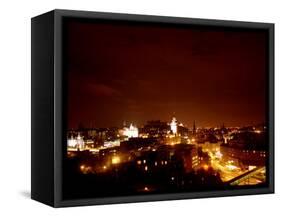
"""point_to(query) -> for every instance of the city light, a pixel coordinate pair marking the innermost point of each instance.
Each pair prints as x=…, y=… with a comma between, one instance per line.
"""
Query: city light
x=85, y=169
x=131, y=132
x=205, y=167
x=173, y=125
x=112, y=143
x=163, y=153
x=252, y=167
x=71, y=142
x=218, y=154
x=76, y=142
x=115, y=160
x=185, y=113
x=231, y=167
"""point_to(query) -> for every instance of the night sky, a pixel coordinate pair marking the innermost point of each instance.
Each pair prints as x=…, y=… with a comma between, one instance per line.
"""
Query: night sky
x=120, y=72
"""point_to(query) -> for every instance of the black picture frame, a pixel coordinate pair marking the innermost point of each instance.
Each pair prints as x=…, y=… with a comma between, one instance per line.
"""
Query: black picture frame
x=47, y=107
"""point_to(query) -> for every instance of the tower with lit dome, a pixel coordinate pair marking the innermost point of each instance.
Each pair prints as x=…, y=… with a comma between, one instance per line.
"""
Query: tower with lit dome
x=174, y=125
x=131, y=132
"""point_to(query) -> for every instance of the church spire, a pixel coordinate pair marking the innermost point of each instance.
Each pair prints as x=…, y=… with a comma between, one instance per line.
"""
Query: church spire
x=194, y=128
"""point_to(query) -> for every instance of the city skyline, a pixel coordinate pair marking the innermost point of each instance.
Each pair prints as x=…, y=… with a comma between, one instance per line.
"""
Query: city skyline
x=153, y=108
x=213, y=76
x=188, y=125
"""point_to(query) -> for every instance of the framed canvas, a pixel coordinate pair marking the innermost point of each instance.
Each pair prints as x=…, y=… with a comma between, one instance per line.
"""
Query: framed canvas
x=134, y=108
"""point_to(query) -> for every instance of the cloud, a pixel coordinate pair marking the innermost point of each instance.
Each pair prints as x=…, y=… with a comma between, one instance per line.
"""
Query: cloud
x=103, y=90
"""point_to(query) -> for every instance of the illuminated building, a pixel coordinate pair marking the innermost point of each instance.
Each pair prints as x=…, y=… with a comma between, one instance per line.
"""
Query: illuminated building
x=174, y=126
x=189, y=156
x=208, y=146
x=225, y=139
x=155, y=128
x=131, y=132
x=247, y=148
x=77, y=143
x=80, y=142
x=71, y=142
x=185, y=155
x=112, y=143
x=245, y=156
x=172, y=139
